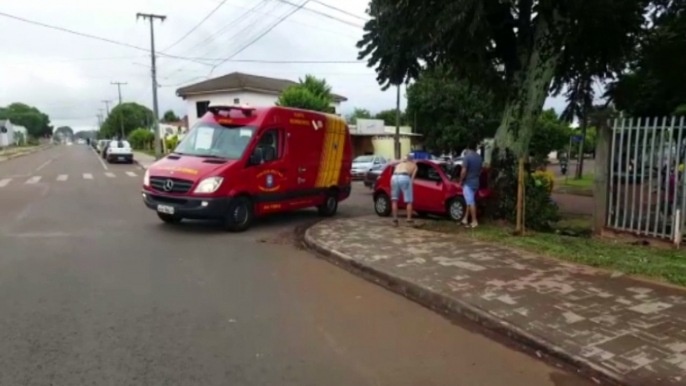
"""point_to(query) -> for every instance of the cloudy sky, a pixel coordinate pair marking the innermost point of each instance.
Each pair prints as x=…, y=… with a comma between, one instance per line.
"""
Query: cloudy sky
x=68, y=76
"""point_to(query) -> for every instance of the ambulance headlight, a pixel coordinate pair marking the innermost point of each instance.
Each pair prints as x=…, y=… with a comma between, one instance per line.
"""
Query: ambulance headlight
x=146, y=178
x=209, y=185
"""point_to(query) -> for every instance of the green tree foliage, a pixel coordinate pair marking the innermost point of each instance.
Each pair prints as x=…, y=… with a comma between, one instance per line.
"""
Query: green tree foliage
x=64, y=132
x=310, y=94
x=550, y=134
x=37, y=123
x=526, y=45
x=84, y=134
x=451, y=112
x=388, y=116
x=654, y=84
x=126, y=117
x=358, y=114
x=141, y=138
x=170, y=116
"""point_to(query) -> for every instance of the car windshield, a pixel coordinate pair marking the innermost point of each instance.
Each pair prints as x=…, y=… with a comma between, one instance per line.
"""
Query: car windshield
x=364, y=159
x=214, y=140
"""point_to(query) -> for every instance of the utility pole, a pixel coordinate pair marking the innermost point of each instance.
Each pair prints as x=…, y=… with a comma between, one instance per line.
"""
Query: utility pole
x=396, y=139
x=107, y=106
x=119, y=84
x=155, y=108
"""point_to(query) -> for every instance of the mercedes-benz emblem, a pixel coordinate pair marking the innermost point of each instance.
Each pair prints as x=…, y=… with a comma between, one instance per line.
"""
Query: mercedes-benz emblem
x=168, y=186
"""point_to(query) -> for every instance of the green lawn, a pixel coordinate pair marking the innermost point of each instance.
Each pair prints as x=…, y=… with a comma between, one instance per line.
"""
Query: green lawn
x=659, y=263
x=569, y=185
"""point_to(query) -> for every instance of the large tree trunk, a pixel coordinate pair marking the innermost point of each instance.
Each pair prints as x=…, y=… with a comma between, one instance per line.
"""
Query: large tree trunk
x=529, y=92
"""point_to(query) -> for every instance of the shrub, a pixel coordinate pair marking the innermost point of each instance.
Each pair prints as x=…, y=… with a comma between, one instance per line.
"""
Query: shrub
x=540, y=211
x=544, y=178
x=171, y=142
x=141, y=138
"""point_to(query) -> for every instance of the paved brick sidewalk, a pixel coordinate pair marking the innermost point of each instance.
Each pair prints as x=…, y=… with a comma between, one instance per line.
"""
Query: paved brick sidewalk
x=143, y=159
x=627, y=330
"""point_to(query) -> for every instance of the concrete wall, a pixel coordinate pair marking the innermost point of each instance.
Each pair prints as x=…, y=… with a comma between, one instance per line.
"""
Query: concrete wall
x=228, y=98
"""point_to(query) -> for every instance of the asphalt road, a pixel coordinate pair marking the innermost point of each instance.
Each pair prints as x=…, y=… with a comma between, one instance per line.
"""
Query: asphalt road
x=95, y=290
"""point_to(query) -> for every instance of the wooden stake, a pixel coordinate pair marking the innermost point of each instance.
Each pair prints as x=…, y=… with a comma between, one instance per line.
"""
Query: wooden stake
x=520, y=198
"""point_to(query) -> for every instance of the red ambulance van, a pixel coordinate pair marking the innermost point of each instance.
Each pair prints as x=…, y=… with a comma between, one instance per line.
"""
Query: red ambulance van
x=239, y=163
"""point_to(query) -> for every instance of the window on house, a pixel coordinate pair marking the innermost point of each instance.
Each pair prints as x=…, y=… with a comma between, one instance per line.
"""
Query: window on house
x=236, y=101
x=201, y=107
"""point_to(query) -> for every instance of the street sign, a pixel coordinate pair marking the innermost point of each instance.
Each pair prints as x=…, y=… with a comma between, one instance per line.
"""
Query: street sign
x=577, y=138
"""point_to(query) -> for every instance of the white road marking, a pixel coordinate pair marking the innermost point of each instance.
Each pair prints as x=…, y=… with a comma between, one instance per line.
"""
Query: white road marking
x=87, y=176
x=62, y=177
x=131, y=174
x=99, y=158
x=110, y=175
x=44, y=165
x=33, y=180
x=4, y=182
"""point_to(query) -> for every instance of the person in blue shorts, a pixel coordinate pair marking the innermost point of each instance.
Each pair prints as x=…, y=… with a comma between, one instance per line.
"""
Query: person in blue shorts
x=469, y=179
x=403, y=176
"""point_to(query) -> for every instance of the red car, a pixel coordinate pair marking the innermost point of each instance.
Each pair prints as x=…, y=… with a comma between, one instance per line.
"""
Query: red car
x=436, y=191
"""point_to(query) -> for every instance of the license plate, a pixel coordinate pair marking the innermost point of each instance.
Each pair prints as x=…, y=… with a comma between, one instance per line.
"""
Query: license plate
x=120, y=158
x=165, y=209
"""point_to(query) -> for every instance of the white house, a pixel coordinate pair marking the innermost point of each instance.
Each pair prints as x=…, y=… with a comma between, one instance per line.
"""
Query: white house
x=11, y=134
x=236, y=88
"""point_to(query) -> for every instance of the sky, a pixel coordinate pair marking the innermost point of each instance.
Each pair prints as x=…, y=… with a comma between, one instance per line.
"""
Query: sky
x=68, y=76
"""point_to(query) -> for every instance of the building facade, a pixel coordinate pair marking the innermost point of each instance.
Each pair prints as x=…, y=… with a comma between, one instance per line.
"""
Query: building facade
x=236, y=89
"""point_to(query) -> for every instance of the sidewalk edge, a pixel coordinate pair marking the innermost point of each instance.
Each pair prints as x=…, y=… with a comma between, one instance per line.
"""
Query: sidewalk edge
x=454, y=308
x=32, y=151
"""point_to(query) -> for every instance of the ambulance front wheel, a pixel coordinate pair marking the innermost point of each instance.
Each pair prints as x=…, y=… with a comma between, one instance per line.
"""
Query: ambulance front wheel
x=239, y=215
x=330, y=205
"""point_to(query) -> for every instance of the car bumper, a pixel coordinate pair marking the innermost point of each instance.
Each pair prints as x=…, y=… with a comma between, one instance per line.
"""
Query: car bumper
x=358, y=174
x=120, y=157
x=199, y=208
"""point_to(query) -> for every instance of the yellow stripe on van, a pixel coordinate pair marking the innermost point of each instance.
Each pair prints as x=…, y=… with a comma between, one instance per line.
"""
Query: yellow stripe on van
x=339, y=146
x=326, y=156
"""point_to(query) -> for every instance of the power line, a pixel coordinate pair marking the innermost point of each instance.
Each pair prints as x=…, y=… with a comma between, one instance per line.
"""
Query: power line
x=340, y=10
x=85, y=35
x=196, y=26
x=324, y=14
x=233, y=23
x=260, y=36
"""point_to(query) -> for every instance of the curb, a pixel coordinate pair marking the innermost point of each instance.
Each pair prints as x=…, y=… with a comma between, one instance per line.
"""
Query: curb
x=18, y=155
x=454, y=308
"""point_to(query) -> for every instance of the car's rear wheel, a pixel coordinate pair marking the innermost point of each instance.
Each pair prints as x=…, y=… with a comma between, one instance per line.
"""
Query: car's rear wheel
x=330, y=205
x=240, y=215
x=169, y=218
x=382, y=205
x=457, y=209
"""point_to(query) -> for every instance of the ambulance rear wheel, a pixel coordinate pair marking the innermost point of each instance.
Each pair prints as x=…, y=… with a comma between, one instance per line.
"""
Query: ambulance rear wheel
x=330, y=205
x=240, y=215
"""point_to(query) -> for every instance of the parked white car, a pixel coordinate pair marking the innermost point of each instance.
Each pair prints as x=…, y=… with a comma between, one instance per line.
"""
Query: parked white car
x=365, y=163
x=119, y=151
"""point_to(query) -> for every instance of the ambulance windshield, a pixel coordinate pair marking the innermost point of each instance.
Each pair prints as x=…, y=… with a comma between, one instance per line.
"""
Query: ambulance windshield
x=214, y=140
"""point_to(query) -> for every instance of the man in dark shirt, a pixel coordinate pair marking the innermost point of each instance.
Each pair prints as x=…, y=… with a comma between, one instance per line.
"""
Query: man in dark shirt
x=469, y=179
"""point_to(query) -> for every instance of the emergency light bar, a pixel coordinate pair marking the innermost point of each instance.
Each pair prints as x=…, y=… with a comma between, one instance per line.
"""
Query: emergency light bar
x=224, y=110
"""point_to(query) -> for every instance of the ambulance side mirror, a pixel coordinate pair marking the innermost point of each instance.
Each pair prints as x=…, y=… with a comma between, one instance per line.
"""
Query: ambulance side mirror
x=257, y=156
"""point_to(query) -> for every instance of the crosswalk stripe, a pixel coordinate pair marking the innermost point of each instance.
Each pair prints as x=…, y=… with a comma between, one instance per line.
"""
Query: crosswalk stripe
x=62, y=177
x=131, y=174
x=33, y=180
x=87, y=176
x=4, y=182
x=110, y=175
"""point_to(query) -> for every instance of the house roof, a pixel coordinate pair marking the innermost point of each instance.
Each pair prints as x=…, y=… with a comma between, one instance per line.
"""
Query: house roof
x=236, y=81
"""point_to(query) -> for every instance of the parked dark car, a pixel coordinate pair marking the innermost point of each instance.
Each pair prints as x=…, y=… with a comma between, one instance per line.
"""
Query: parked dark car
x=371, y=176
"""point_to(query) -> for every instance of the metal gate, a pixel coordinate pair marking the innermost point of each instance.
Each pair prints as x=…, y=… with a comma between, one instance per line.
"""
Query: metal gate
x=647, y=194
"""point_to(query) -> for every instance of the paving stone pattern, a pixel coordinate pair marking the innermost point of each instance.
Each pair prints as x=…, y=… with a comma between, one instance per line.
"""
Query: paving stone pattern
x=632, y=329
